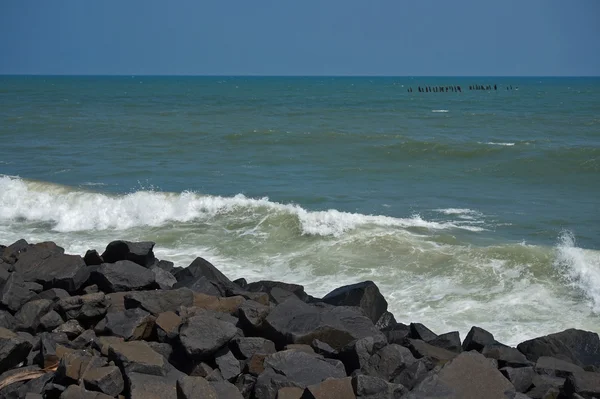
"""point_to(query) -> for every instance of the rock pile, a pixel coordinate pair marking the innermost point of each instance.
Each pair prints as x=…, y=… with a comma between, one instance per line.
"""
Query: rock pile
x=125, y=324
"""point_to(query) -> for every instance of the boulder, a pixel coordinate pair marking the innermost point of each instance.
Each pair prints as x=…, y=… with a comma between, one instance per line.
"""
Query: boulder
x=50, y=321
x=159, y=301
x=295, y=322
x=387, y=319
x=244, y=347
x=92, y=258
x=104, y=379
x=52, y=348
x=332, y=388
x=202, y=336
x=7, y=320
x=145, y=386
x=300, y=347
x=167, y=326
x=137, y=357
x=72, y=328
x=520, y=377
x=368, y=387
x=165, y=265
x=437, y=356
x=102, y=344
x=324, y=349
x=278, y=291
x=138, y=252
x=85, y=340
x=28, y=317
x=73, y=365
x=364, y=295
x=202, y=276
x=449, y=341
x=468, y=376
x=245, y=384
x=541, y=384
x=13, y=349
x=419, y=331
x=477, y=339
x=397, y=334
x=252, y=315
x=195, y=387
x=123, y=275
x=389, y=361
x=11, y=253
x=14, y=293
x=163, y=278
x=116, y=301
x=555, y=367
x=413, y=373
x=256, y=364
x=84, y=307
x=356, y=354
x=78, y=392
x=586, y=384
x=505, y=355
x=226, y=305
x=226, y=390
x=131, y=324
x=228, y=365
x=576, y=346
x=303, y=369
x=54, y=294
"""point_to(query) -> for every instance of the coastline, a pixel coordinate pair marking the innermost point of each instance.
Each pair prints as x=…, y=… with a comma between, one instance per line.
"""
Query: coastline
x=142, y=327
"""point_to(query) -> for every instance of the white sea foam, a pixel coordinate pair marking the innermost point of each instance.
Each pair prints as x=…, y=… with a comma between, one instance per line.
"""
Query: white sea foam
x=440, y=110
x=497, y=143
x=73, y=210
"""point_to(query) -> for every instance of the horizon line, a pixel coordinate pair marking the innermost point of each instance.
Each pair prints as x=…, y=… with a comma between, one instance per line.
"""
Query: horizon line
x=291, y=75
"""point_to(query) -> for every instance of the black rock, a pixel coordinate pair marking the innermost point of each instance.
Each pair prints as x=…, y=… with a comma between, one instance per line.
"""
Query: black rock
x=419, y=331
x=449, y=341
x=49, y=342
x=324, y=349
x=365, y=295
x=4, y=274
x=195, y=387
x=269, y=383
x=541, y=384
x=520, y=377
x=131, y=324
x=104, y=379
x=7, y=320
x=505, y=355
x=165, y=265
x=123, y=275
x=389, y=361
x=51, y=321
x=295, y=322
x=412, y=374
x=72, y=328
x=386, y=320
x=11, y=253
x=13, y=349
x=244, y=347
x=54, y=294
x=280, y=290
x=36, y=386
x=92, y=258
x=144, y=386
x=438, y=356
x=252, y=315
x=228, y=365
x=159, y=301
x=164, y=349
x=368, y=387
x=163, y=278
x=357, y=353
x=586, y=384
x=137, y=357
x=84, y=307
x=576, y=346
x=556, y=367
x=202, y=276
x=397, y=334
x=167, y=326
x=35, y=287
x=201, y=336
x=241, y=282
x=85, y=340
x=138, y=252
x=91, y=289
x=28, y=317
x=245, y=384
x=226, y=390
x=14, y=293
x=477, y=338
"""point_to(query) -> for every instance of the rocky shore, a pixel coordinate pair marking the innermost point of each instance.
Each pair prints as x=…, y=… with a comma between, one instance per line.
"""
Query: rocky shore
x=125, y=324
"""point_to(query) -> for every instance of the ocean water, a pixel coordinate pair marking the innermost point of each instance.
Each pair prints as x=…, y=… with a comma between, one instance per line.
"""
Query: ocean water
x=473, y=208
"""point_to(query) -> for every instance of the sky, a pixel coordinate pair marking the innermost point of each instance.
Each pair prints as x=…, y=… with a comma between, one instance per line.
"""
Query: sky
x=303, y=37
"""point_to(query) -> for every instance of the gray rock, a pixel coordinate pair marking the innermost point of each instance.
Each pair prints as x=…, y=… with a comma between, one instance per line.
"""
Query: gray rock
x=356, y=354
x=397, y=334
x=365, y=295
x=303, y=369
x=164, y=349
x=137, y=357
x=267, y=287
x=542, y=384
x=331, y=388
x=73, y=365
x=586, y=384
x=520, y=377
x=477, y=339
x=50, y=321
x=92, y=258
x=123, y=275
x=84, y=307
x=104, y=379
x=555, y=367
x=324, y=349
x=228, y=365
x=449, y=341
x=163, y=278
x=145, y=386
x=35, y=287
x=159, y=301
x=131, y=324
x=14, y=293
x=28, y=317
x=195, y=387
x=140, y=253
x=437, y=356
x=11, y=253
x=412, y=374
x=84, y=340
x=77, y=392
x=244, y=347
x=202, y=336
x=167, y=326
x=505, y=355
x=7, y=320
x=13, y=349
x=226, y=390
x=252, y=315
x=386, y=320
x=419, y=331
x=91, y=289
x=389, y=361
x=202, y=276
x=367, y=387
x=245, y=384
x=576, y=346
x=72, y=328
x=54, y=294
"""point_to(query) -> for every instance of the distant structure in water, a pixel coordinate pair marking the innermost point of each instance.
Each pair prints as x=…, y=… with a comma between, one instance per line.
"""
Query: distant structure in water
x=457, y=89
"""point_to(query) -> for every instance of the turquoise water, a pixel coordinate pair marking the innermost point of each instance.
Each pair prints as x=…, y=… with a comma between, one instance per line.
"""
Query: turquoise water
x=480, y=207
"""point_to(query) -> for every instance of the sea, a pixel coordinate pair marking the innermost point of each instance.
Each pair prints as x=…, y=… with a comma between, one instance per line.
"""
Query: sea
x=478, y=207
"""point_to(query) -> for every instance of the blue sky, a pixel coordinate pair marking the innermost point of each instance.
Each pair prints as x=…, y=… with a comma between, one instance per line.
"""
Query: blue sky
x=308, y=37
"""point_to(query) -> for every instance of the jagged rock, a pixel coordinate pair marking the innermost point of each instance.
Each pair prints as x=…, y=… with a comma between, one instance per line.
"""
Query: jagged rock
x=202, y=276
x=28, y=317
x=252, y=315
x=332, y=388
x=256, y=364
x=389, y=361
x=419, y=331
x=397, y=334
x=144, y=386
x=280, y=294
x=506, y=356
x=586, y=384
x=367, y=387
x=412, y=374
x=75, y=364
x=271, y=385
x=137, y=357
x=50, y=321
x=195, y=387
x=54, y=294
x=226, y=305
x=92, y=258
x=295, y=322
x=84, y=340
x=477, y=339
x=244, y=347
x=159, y=301
x=555, y=367
x=72, y=328
x=187, y=313
x=203, y=336
x=227, y=364
x=226, y=390
x=576, y=346
x=245, y=384
x=164, y=349
x=357, y=353
x=467, y=376
x=215, y=375
x=165, y=265
x=364, y=295
x=303, y=369
x=200, y=370
x=138, y=252
x=121, y=276
x=102, y=344
x=131, y=324
x=324, y=349
x=84, y=307
x=167, y=326
x=12, y=391
x=449, y=341
x=520, y=377
x=104, y=379
x=542, y=384
x=77, y=392
x=437, y=355
x=48, y=266
x=11, y=253
x=290, y=393
x=14, y=293
x=300, y=347
x=35, y=287
x=7, y=320
x=91, y=289
x=4, y=273
x=36, y=386
x=13, y=349
x=163, y=278
x=386, y=320
x=52, y=346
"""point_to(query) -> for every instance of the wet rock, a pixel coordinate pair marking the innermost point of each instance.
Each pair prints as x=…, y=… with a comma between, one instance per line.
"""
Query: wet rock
x=412, y=374
x=28, y=317
x=226, y=390
x=506, y=356
x=228, y=364
x=140, y=253
x=324, y=349
x=131, y=324
x=367, y=387
x=54, y=294
x=295, y=322
x=364, y=295
x=586, y=384
x=469, y=375
x=72, y=328
x=77, y=392
x=13, y=349
x=389, y=361
x=576, y=346
x=159, y=301
x=14, y=293
x=542, y=384
x=477, y=339
x=104, y=379
x=92, y=258
x=245, y=384
x=137, y=357
x=437, y=355
x=397, y=334
x=163, y=278
x=202, y=276
x=449, y=341
x=356, y=354
x=11, y=253
x=84, y=307
x=555, y=367
x=419, y=331
x=386, y=320
x=7, y=320
x=202, y=336
x=144, y=386
x=520, y=377
x=252, y=315
x=303, y=369
x=167, y=326
x=123, y=275
x=50, y=321
x=277, y=290
x=195, y=387
x=244, y=347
